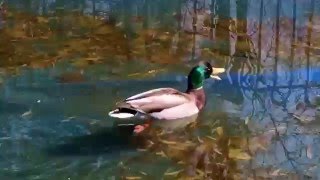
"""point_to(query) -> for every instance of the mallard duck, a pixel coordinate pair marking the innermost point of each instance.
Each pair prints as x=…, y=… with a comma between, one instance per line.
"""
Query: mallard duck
x=166, y=104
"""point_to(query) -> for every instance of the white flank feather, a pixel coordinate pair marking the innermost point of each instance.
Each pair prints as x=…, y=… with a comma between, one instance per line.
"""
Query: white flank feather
x=121, y=115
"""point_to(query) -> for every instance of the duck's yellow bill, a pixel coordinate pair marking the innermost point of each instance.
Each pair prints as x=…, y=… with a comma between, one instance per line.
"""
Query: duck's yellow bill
x=216, y=71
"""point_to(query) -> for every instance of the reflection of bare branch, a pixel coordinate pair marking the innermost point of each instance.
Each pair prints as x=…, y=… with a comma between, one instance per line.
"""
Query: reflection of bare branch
x=286, y=152
x=308, y=48
x=212, y=17
x=271, y=44
x=291, y=160
x=296, y=86
x=260, y=36
x=194, y=27
x=198, y=7
x=292, y=51
x=185, y=15
x=254, y=31
x=187, y=8
x=276, y=58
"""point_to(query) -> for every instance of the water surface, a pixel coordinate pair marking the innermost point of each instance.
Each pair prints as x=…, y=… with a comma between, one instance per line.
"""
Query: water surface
x=64, y=64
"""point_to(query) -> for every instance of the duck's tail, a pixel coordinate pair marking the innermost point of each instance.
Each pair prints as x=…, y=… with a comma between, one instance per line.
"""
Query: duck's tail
x=123, y=113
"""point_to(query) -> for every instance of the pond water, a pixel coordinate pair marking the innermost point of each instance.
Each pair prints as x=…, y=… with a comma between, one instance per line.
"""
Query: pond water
x=65, y=64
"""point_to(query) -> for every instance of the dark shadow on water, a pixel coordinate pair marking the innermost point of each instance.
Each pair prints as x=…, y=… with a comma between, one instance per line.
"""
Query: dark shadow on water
x=107, y=140
x=11, y=107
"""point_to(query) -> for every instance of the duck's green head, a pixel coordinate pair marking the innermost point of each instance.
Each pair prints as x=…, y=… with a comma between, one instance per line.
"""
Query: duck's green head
x=200, y=73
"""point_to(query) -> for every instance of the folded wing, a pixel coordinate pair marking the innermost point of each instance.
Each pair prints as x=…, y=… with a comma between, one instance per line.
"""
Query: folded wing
x=156, y=100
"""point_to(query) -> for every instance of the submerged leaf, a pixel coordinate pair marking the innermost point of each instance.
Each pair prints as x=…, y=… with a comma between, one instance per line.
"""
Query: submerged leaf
x=211, y=138
x=27, y=114
x=133, y=177
x=247, y=120
x=143, y=173
x=276, y=172
x=309, y=151
x=141, y=150
x=167, y=142
x=173, y=173
x=200, y=140
x=219, y=131
x=200, y=172
x=161, y=153
x=41, y=19
x=181, y=162
x=239, y=154
x=217, y=151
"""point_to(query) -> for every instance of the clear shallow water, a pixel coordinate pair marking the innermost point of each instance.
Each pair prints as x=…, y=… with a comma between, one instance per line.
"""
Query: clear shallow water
x=53, y=130
x=54, y=122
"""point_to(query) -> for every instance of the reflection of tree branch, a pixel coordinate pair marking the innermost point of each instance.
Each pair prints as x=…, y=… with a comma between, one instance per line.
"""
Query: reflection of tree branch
x=293, y=37
x=254, y=174
x=185, y=14
x=194, y=27
x=276, y=58
x=260, y=36
x=308, y=48
x=271, y=44
x=94, y=9
x=256, y=95
x=297, y=86
x=198, y=7
x=286, y=152
x=254, y=31
x=273, y=88
x=145, y=25
x=212, y=17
